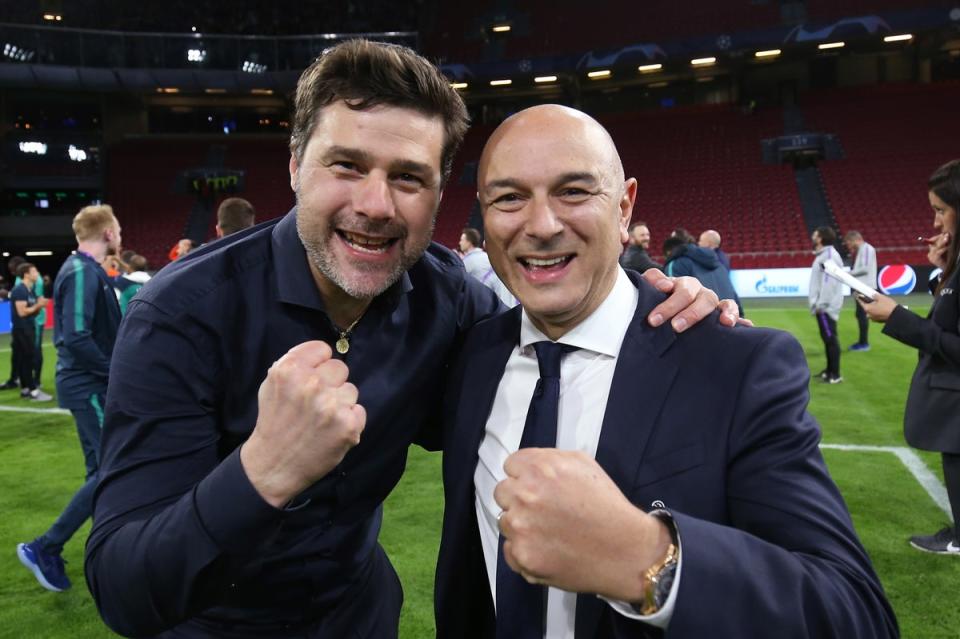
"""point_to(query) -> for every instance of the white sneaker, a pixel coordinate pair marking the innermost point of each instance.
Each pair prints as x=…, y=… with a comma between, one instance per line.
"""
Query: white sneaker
x=37, y=395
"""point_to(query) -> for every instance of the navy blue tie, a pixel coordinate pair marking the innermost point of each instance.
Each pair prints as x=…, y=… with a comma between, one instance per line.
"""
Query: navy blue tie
x=521, y=605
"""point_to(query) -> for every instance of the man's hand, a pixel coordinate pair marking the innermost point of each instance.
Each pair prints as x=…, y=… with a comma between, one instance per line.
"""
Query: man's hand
x=307, y=422
x=689, y=302
x=567, y=525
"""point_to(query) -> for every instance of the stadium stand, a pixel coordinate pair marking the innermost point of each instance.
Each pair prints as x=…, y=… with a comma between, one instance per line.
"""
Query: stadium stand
x=698, y=167
x=141, y=174
x=545, y=27
x=820, y=10
x=879, y=188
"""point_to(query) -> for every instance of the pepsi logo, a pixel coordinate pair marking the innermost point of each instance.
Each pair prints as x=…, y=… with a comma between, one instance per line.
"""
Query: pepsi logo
x=897, y=279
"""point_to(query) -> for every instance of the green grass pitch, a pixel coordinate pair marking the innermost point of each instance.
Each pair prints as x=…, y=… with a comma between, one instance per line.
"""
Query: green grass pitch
x=42, y=465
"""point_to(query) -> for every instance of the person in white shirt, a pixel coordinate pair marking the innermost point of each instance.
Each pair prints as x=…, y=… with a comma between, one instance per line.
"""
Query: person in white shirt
x=864, y=269
x=607, y=479
x=477, y=263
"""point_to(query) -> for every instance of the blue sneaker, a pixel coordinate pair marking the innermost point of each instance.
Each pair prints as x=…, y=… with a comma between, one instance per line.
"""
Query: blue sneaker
x=46, y=567
x=859, y=347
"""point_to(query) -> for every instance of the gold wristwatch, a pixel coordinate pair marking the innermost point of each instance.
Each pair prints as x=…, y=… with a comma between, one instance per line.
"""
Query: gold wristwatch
x=658, y=578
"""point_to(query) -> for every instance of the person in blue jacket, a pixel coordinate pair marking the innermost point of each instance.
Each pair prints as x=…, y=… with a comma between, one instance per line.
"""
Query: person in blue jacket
x=86, y=319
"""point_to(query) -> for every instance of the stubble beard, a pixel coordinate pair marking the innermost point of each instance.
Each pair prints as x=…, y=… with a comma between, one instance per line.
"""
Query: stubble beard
x=317, y=237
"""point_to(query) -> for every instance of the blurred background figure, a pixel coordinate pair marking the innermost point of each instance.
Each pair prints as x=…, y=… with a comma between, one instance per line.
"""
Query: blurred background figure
x=931, y=420
x=711, y=239
x=181, y=248
x=636, y=256
x=14, y=380
x=477, y=263
x=234, y=214
x=683, y=257
x=864, y=269
x=133, y=280
x=25, y=305
x=826, y=299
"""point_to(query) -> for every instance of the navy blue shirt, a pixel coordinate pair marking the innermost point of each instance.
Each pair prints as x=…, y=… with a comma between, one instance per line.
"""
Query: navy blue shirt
x=179, y=532
x=21, y=293
x=86, y=318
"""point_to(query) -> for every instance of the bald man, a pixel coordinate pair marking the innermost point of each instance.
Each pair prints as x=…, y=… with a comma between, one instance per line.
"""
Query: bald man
x=605, y=478
x=711, y=239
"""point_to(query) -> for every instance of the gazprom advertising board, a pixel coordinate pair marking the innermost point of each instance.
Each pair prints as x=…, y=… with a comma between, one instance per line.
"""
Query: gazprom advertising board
x=895, y=279
x=771, y=282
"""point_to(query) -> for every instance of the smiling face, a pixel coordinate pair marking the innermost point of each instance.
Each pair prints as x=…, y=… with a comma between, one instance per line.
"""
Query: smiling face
x=641, y=237
x=555, y=210
x=368, y=188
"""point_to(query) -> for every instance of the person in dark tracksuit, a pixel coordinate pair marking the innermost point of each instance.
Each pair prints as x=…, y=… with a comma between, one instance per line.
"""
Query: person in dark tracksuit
x=25, y=305
x=14, y=380
x=86, y=319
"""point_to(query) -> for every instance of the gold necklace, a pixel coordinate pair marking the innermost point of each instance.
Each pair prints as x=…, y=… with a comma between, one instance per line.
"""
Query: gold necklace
x=343, y=342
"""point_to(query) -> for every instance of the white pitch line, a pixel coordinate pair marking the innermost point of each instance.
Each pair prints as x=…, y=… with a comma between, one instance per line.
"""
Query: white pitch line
x=913, y=463
x=910, y=459
x=26, y=409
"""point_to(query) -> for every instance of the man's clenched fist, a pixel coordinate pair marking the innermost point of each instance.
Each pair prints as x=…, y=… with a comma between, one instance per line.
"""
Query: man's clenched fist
x=308, y=420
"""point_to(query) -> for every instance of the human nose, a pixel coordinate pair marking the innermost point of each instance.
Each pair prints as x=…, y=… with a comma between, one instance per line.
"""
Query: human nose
x=373, y=198
x=543, y=221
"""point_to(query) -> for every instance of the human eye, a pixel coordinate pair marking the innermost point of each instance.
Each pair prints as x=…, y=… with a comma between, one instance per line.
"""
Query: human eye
x=507, y=201
x=574, y=194
x=410, y=179
x=344, y=166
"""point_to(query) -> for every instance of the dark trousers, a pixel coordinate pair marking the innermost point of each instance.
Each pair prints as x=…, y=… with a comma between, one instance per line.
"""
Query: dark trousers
x=23, y=345
x=14, y=361
x=37, y=354
x=951, y=477
x=863, y=323
x=89, y=422
x=828, y=333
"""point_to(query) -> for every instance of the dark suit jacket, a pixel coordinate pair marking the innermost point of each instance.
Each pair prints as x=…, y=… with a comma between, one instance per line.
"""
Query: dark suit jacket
x=931, y=420
x=712, y=423
x=637, y=259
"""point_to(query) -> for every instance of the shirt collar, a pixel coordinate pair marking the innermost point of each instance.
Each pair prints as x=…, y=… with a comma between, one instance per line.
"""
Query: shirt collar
x=603, y=331
x=295, y=284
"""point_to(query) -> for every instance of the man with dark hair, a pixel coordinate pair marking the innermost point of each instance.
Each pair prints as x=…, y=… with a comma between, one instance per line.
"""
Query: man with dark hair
x=825, y=295
x=477, y=263
x=234, y=214
x=237, y=497
x=25, y=305
x=133, y=280
x=636, y=256
x=14, y=379
x=864, y=269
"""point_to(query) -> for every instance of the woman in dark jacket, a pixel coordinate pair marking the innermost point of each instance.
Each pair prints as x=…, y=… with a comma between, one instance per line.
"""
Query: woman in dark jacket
x=931, y=419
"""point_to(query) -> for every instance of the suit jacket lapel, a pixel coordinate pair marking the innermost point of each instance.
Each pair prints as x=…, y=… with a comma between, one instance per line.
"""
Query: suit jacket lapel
x=486, y=358
x=641, y=373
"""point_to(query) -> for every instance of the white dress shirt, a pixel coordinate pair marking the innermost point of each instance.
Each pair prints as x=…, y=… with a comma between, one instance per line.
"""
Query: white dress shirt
x=585, y=378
